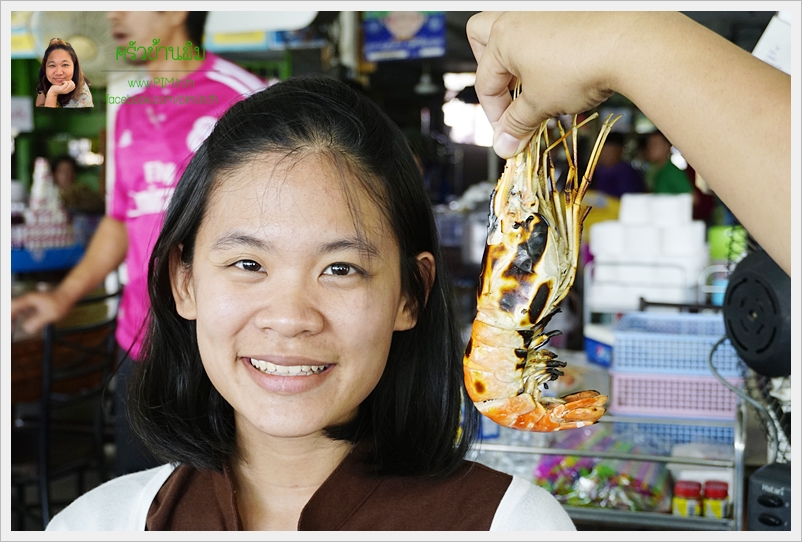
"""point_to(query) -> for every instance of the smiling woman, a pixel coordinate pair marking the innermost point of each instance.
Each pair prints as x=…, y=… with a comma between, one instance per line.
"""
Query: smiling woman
x=303, y=364
x=61, y=81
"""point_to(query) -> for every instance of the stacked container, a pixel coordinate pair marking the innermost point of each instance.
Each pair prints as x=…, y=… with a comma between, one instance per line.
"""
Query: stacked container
x=660, y=368
x=654, y=250
x=46, y=223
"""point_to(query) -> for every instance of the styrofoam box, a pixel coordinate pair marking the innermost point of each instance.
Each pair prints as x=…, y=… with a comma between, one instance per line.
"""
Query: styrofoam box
x=606, y=272
x=683, y=239
x=641, y=243
x=656, y=209
x=606, y=238
x=635, y=209
x=671, y=209
x=637, y=274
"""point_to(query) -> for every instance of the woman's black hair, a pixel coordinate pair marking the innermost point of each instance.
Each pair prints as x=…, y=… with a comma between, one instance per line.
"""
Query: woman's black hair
x=418, y=420
x=194, y=25
x=78, y=76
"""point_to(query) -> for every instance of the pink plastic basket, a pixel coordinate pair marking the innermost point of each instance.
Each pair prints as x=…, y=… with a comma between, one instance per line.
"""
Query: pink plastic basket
x=667, y=395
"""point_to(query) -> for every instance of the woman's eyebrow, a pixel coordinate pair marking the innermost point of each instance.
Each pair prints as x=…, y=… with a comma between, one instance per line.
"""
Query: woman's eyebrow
x=350, y=243
x=240, y=239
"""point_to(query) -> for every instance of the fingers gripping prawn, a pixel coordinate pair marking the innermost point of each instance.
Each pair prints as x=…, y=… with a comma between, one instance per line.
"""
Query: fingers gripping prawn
x=529, y=265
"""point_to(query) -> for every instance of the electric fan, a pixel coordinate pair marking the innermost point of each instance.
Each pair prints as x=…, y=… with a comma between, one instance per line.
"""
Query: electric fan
x=89, y=33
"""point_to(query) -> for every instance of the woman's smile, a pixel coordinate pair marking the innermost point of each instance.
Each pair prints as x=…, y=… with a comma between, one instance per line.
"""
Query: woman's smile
x=287, y=379
x=286, y=370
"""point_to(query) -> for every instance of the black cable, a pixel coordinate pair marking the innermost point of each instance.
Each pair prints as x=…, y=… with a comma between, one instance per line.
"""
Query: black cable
x=762, y=409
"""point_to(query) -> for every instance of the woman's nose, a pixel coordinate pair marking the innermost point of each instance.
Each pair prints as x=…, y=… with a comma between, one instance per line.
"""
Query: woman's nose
x=290, y=311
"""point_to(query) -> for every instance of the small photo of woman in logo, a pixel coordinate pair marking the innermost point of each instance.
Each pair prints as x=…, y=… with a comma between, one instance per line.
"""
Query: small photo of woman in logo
x=61, y=81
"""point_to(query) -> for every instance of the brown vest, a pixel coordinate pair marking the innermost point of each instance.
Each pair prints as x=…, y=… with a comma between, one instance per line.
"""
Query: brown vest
x=349, y=500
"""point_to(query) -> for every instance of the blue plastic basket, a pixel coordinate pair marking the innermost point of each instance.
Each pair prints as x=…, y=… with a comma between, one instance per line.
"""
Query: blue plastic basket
x=672, y=434
x=672, y=343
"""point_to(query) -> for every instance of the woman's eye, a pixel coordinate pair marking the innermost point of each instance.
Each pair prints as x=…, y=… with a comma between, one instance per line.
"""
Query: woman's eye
x=340, y=268
x=248, y=265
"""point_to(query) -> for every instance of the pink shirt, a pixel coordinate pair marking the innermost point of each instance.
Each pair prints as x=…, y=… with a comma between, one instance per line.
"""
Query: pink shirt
x=157, y=131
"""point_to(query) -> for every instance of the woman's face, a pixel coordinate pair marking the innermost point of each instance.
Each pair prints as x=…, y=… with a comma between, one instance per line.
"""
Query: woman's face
x=59, y=67
x=294, y=314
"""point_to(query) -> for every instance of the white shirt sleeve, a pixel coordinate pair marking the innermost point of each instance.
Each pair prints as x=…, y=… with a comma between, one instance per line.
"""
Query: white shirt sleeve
x=121, y=504
x=527, y=507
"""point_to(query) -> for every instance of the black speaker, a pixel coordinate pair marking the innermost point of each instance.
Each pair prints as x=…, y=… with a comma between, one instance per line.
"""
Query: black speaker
x=757, y=314
x=768, y=505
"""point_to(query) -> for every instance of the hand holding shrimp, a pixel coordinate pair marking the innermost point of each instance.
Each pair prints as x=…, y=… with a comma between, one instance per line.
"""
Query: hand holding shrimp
x=574, y=61
x=528, y=268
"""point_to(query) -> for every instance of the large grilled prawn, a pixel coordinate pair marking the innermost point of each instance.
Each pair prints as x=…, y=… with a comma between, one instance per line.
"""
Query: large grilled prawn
x=528, y=267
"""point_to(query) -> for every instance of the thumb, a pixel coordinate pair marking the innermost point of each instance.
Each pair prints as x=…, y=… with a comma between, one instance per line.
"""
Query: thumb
x=34, y=323
x=516, y=126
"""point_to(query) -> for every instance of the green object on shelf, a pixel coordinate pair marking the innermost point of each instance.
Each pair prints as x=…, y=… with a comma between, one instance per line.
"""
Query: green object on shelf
x=726, y=242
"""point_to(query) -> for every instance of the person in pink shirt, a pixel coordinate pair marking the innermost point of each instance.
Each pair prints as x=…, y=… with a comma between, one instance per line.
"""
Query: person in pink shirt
x=157, y=130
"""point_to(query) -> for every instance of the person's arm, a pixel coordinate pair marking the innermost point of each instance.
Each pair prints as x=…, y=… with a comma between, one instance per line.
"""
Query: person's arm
x=51, y=98
x=104, y=254
x=728, y=112
x=40, y=99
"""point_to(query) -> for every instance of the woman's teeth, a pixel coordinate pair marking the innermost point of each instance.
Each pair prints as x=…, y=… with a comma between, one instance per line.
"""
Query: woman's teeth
x=284, y=370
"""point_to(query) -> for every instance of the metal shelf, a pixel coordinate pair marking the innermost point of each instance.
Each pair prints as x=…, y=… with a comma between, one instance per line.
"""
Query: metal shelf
x=648, y=519
x=656, y=519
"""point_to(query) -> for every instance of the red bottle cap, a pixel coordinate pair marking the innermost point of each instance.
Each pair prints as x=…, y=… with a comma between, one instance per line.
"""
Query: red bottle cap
x=688, y=489
x=715, y=489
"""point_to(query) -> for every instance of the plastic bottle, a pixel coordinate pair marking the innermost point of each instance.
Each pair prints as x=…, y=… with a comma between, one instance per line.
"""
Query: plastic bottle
x=715, y=503
x=687, y=500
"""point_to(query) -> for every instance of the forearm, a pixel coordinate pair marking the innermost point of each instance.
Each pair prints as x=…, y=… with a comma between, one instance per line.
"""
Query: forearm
x=51, y=100
x=104, y=254
x=728, y=112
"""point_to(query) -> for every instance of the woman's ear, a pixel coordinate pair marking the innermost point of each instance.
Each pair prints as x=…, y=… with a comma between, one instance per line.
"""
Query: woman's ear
x=407, y=315
x=181, y=284
x=427, y=270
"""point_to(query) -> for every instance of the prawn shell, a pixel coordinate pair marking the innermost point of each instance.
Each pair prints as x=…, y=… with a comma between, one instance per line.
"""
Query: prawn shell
x=528, y=267
x=516, y=288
